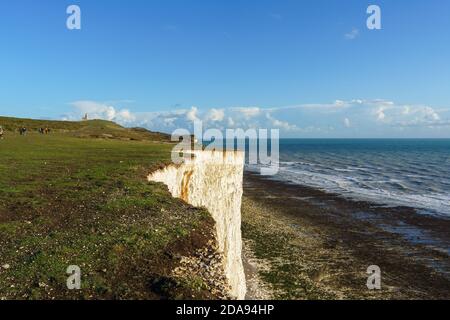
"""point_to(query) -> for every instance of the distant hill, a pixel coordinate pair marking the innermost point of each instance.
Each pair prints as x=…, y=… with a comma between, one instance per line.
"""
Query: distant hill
x=84, y=129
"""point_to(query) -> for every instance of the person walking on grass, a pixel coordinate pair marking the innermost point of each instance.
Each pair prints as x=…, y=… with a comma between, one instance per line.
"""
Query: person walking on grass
x=1, y=133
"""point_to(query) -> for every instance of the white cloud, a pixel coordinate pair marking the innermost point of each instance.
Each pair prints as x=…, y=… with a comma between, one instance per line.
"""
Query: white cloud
x=347, y=123
x=125, y=115
x=96, y=110
x=431, y=114
x=405, y=115
x=352, y=34
x=249, y=112
x=340, y=103
x=191, y=115
x=367, y=116
x=380, y=113
x=336, y=105
x=278, y=124
x=420, y=116
x=215, y=115
x=406, y=110
x=169, y=121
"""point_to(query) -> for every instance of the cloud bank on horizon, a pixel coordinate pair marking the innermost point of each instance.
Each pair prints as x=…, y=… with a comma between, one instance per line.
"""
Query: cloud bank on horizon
x=340, y=119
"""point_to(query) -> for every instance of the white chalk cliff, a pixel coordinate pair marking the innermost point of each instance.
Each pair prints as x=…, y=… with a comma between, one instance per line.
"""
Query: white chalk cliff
x=213, y=179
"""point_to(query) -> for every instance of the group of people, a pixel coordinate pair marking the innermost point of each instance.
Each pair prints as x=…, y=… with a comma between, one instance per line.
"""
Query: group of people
x=23, y=131
x=44, y=130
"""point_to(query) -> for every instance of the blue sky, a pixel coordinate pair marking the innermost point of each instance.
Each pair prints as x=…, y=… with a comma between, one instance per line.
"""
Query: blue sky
x=310, y=68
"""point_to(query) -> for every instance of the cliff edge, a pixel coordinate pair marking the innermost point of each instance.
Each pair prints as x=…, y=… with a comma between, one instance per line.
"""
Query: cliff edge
x=213, y=179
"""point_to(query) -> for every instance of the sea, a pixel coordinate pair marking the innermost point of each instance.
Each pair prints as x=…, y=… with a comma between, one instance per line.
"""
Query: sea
x=388, y=172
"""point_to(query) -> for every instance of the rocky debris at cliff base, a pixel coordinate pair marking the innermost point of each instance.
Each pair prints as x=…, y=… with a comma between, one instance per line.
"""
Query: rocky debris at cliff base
x=204, y=271
x=257, y=289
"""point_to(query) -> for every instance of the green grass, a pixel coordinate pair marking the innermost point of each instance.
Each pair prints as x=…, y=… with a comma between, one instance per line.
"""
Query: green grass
x=66, y=200
x=82, y=129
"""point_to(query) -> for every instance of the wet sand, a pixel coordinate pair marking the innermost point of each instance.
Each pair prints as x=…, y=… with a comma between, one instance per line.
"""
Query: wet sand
x=308, y=244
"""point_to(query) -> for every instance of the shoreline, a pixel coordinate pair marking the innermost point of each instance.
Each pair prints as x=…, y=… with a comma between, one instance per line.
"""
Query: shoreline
x=310, y=244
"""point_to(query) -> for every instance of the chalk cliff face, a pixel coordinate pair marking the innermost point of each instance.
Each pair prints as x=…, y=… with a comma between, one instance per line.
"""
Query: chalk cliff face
x=213, y=180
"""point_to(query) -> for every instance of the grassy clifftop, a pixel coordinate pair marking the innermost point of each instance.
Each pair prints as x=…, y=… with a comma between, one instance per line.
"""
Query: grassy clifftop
x=67, y=199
